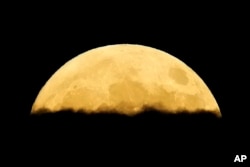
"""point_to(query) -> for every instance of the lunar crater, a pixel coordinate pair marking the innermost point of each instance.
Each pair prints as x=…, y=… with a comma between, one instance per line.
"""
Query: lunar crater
x=179, y=76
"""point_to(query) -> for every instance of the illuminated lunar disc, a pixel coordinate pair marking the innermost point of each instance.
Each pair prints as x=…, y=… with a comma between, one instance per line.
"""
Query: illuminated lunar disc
x=125, y=78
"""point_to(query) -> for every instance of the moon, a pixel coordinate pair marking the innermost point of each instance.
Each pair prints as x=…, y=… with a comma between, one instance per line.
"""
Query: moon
x=125, y=79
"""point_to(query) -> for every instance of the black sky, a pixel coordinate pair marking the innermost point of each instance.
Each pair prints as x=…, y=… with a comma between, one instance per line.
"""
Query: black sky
x=208, y=44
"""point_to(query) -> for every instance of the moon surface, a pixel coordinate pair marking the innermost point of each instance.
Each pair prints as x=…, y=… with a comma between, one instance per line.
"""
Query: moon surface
x=126, y=79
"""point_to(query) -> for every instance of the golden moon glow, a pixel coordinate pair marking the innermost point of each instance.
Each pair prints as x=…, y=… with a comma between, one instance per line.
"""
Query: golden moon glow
x=125, y=78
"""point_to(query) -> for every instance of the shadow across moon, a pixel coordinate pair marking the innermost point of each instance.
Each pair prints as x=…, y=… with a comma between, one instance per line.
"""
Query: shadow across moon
x=148, y=118
x=174, y=134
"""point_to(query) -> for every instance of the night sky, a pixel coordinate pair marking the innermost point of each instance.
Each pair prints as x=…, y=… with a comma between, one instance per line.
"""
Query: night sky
x=210, y=46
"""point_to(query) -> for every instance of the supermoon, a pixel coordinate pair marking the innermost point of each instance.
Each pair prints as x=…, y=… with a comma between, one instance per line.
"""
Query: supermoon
x=125, y=79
